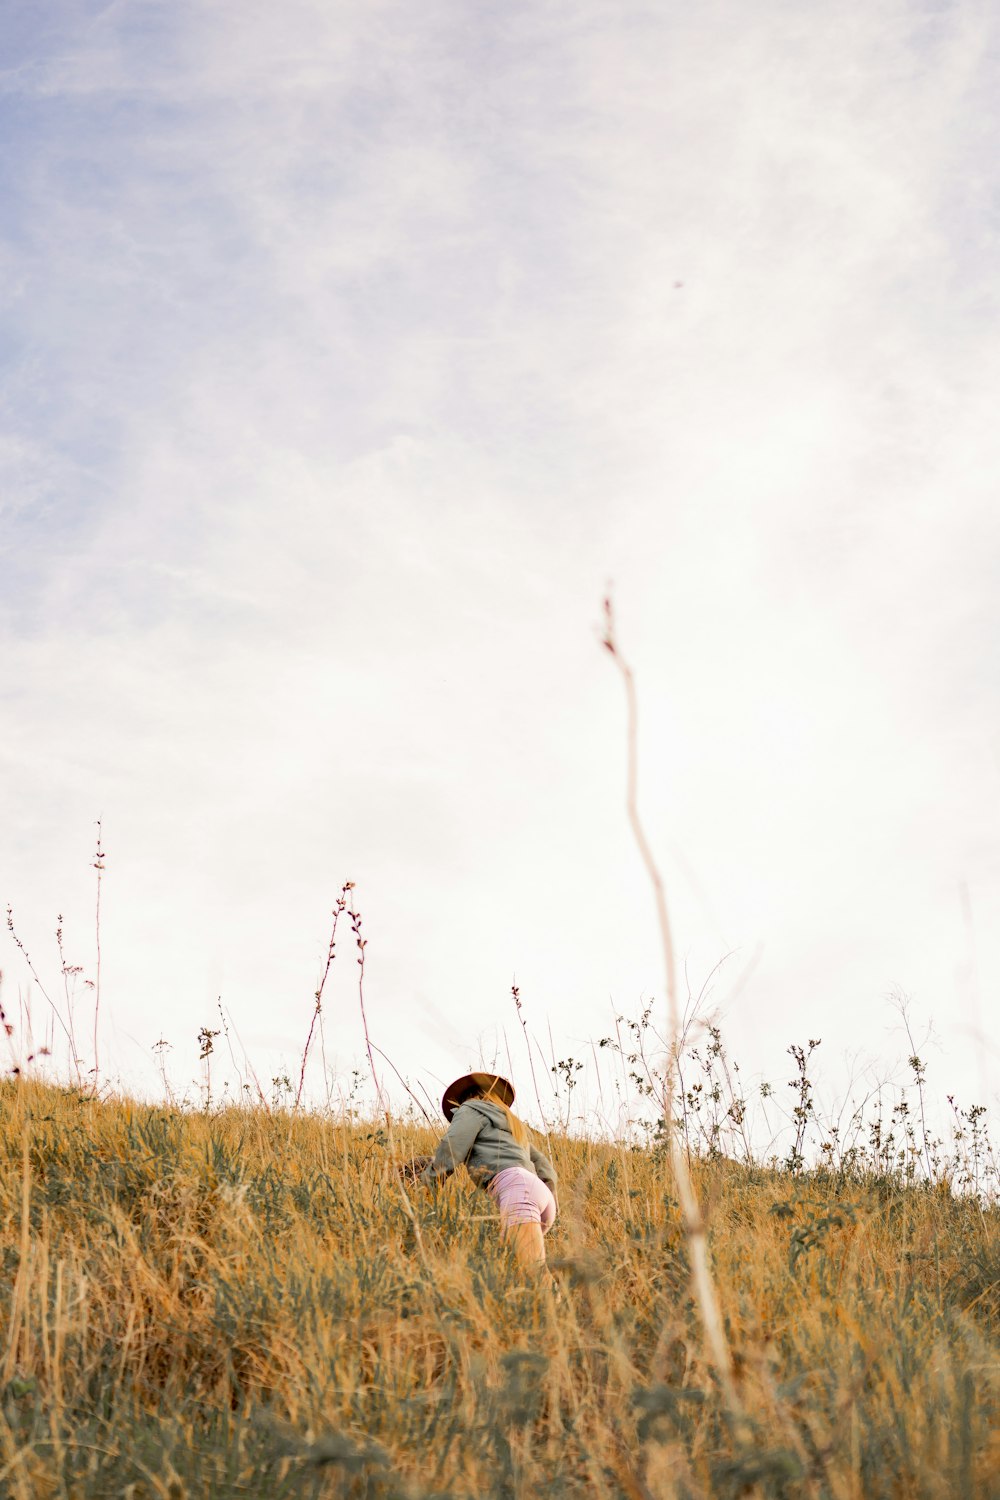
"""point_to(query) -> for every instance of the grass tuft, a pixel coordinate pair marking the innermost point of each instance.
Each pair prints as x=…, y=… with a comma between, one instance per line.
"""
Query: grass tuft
x=239, y=1303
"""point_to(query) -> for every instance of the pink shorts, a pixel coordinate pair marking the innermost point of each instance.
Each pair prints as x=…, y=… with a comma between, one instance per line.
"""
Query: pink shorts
x=523, y=1198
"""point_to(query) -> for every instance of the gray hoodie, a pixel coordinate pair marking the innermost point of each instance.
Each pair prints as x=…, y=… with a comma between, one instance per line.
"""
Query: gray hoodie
x=480, y=1136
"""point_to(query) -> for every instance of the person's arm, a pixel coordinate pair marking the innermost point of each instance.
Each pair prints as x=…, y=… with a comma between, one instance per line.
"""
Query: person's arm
x=544, y=1170
x=454, y=1145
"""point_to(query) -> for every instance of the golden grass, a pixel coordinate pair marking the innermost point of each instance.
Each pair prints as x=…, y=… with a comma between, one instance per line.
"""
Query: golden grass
x=247, y=1303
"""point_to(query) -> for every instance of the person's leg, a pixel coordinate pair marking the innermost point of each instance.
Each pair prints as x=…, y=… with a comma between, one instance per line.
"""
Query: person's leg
x=528, y=1243
x=520, y=1215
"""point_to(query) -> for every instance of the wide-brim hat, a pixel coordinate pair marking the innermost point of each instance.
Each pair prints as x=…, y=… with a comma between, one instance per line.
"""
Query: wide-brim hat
x=471, y=1085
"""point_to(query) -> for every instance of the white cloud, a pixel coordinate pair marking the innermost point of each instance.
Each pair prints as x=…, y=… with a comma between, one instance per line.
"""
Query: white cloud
x=350, y=356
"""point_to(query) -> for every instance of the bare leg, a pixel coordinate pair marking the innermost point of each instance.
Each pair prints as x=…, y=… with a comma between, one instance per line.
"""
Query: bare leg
x=528, y=1243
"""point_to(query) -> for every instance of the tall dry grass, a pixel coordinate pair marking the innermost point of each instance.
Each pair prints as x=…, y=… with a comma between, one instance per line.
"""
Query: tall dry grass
x=246, y=1303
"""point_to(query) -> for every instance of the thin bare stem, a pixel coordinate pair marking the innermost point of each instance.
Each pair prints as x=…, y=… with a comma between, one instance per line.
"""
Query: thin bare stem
x=68, y=971
x=99, y=867
x=355, y=917
x=403, y=1081
x=318, y=994
x=262, y=1098
x=516, y=995
x=919, y=1071
x=427, y=1096
x=34, y=974
x=229, y=1042
x=692, y=1217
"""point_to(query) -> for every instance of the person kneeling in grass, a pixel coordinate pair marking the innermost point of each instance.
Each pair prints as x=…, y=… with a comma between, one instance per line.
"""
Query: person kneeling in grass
x=498, y=1152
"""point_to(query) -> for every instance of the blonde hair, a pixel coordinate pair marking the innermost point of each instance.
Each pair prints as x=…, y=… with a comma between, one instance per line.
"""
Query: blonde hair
x=517, y=1128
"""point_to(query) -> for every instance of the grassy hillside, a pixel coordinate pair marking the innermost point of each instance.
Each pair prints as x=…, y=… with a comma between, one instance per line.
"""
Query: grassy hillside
x=248, y=1303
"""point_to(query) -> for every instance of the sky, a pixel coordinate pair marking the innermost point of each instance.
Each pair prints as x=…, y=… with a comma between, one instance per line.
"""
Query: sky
x=349, y=353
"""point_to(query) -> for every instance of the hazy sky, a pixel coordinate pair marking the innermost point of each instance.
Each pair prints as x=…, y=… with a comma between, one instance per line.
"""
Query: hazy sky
x=348, y=350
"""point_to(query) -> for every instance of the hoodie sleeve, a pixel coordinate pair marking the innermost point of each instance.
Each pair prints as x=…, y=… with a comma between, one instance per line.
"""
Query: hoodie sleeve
x=544, y=1170
x=455, y=1144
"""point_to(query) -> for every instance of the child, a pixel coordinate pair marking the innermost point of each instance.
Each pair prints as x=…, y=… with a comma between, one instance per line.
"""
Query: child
x=497, y=1150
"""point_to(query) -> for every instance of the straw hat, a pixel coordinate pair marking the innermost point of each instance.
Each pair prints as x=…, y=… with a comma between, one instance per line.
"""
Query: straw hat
x=473, y=1084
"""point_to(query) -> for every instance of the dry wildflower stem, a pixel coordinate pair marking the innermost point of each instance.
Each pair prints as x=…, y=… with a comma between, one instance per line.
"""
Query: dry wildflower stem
x=99, y=867
x=516, y=997
x=362, y=944
x=693, y=1219
x=41, y=988
x=318, y=994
